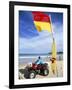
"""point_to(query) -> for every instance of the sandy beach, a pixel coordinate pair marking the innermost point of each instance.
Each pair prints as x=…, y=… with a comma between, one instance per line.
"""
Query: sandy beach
x=50, y=75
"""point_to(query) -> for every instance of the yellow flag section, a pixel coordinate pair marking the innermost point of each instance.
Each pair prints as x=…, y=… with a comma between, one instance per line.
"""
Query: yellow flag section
x=42, y=26
x=54, y=52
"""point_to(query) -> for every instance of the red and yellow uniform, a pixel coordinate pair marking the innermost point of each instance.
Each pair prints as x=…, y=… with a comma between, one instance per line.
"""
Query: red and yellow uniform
x=54, y=65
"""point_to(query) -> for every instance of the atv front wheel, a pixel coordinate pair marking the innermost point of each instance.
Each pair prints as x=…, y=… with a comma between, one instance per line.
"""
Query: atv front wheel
x=45, y=72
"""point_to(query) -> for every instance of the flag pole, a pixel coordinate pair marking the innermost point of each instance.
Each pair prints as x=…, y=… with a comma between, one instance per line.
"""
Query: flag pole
x=51, y=27
x=53, y=39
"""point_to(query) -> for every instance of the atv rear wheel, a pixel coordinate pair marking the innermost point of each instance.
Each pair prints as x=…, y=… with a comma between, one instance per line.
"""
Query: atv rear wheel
x=26, y=73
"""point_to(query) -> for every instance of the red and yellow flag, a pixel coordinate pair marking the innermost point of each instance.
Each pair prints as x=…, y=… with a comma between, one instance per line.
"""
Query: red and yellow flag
x=42, y=21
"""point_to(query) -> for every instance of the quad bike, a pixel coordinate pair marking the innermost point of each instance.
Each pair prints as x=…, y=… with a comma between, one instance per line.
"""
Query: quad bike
x=31, y=71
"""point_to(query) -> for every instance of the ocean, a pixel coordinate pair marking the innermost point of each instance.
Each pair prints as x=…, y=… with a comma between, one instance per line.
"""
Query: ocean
x=24, y=59
x=30, y=59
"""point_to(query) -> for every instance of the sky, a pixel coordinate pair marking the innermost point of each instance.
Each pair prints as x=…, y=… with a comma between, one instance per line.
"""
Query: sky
x=31, y=41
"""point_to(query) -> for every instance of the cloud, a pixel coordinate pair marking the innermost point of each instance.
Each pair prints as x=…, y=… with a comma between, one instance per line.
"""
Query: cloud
x=40, y=44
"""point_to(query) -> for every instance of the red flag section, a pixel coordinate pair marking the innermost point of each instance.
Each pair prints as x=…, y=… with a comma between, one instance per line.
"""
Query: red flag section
x=39, y=16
